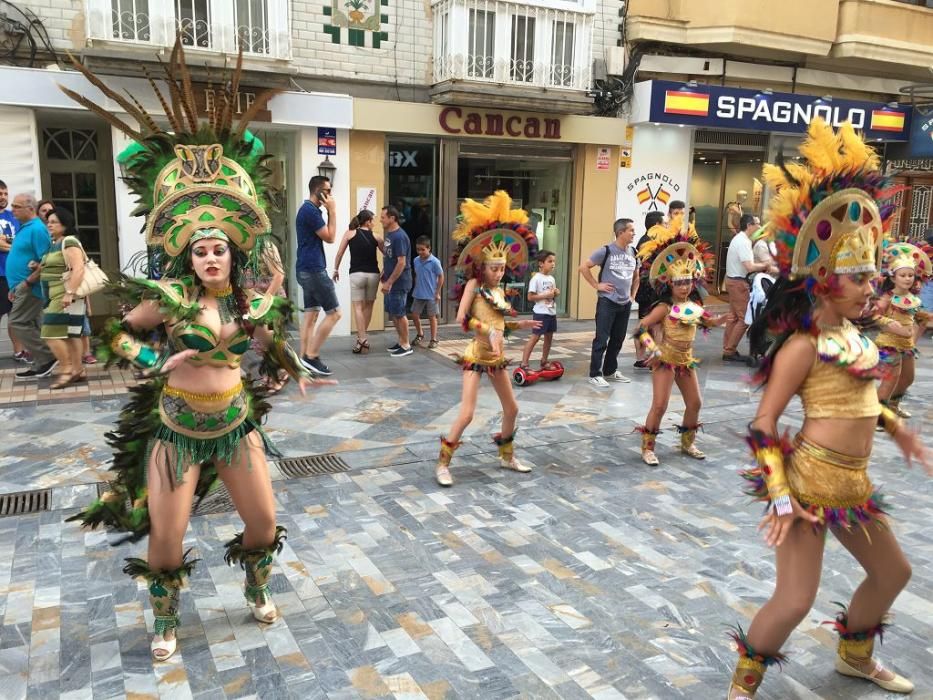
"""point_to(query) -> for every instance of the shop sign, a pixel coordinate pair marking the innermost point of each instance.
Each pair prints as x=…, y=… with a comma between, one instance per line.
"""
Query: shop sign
x=737, y=108
x=454, y=121
x=208, y=98
x=653, y=190
x=921, y=133
x=602, y=158
x=326, y=141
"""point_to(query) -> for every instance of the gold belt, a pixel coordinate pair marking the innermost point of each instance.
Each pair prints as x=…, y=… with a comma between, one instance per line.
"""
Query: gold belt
x=805, y=448
x=193, y=396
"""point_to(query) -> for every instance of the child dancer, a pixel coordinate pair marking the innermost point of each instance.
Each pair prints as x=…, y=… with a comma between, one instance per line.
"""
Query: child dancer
x=494, y=239
x=675, y=265
x=828, y=232
x=543, y=291
x=901, y=318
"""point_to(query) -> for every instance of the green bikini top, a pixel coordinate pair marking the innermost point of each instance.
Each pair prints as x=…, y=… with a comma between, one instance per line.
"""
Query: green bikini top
x=181, y=298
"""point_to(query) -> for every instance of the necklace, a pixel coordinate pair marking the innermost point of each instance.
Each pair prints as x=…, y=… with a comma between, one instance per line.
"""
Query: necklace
x=226, y=303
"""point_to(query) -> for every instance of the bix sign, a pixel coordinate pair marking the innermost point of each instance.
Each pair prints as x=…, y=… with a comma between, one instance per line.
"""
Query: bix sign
x=736, y=108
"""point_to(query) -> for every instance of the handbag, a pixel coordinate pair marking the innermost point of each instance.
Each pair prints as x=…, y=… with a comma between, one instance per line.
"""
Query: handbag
x=94, y=278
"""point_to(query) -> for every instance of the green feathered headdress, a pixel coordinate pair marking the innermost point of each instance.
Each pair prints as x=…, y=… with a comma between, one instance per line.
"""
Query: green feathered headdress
x=200, y=178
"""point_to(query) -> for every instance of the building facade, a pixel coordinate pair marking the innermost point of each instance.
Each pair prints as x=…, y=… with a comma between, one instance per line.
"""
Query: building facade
x=417, y=103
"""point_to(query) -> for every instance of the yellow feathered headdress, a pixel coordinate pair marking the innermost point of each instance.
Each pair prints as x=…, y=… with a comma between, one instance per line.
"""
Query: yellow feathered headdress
x=492, y=232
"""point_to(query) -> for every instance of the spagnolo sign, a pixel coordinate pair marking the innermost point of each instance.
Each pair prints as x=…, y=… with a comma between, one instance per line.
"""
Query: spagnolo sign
x=782, y=112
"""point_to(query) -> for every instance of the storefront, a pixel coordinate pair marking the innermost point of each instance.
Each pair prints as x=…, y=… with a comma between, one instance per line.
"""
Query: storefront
x=706, y=145
x=57, y=150
x=425, y=159
x=911, y=166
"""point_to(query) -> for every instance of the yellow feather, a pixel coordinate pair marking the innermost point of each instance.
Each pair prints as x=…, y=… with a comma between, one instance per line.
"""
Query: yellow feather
x=821, y=148
x=858, y=155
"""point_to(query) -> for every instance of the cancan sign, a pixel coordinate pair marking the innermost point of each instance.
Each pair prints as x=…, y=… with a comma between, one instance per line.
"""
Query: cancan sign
x=454, y=121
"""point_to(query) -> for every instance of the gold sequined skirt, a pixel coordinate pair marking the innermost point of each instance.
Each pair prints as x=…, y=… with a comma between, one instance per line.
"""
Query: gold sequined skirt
x=824, y=478
x=479, y=355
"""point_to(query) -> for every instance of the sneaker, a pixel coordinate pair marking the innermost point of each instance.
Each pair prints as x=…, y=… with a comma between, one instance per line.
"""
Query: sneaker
x=418, y=340
x=22, y=356
x=599, y=382
x=617, y=376
x=734, y=357
x=433, y=344
x=89, y=359
x=37, y=372
x=640, y=364
x=393, y=348
x=401, y=352
x=315, y=366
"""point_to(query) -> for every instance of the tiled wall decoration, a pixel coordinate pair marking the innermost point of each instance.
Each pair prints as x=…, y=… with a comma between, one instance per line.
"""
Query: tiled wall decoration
x=358, y=17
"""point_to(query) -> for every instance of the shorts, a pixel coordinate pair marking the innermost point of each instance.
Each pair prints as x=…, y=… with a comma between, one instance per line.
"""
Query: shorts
x=548, y=324
x=427, y=306
x=5, y=303
x=395, y=302
x=364, y=286
x=319, y=291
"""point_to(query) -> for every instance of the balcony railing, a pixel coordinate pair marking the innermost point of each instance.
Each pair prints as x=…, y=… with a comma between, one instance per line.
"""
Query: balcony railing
x=547, y=43
x=259, y=27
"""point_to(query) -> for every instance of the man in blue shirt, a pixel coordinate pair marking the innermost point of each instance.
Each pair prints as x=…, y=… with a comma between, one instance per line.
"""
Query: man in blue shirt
x=311, y=271
x=8, y=227
x=29, y=247
x=396, y=277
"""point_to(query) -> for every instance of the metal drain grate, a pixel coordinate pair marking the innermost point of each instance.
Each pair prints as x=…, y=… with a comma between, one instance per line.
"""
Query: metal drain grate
x=25, y=502
x=312, y=465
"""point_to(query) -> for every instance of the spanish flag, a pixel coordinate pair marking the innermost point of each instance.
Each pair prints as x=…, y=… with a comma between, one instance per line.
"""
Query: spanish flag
x=663, y=195
x=694, y=104
x=886, y=120
x=643, y=196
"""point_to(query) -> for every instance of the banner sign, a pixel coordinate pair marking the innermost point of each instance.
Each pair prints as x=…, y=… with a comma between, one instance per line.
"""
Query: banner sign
x=737, y=108
x=921, y=133
x=326, y=141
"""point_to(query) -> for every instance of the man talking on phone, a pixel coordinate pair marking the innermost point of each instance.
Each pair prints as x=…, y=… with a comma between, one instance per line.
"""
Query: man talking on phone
x=311, y=270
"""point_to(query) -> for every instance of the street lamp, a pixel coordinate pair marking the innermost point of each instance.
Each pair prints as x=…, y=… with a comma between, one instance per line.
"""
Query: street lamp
x=326, y=169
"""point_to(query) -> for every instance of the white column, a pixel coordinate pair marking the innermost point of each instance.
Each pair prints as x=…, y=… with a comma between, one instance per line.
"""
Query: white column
x=130, y=239
x=19, y=151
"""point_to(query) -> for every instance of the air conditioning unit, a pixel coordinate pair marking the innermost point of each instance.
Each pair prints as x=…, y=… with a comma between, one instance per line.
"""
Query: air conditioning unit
x=615, y=60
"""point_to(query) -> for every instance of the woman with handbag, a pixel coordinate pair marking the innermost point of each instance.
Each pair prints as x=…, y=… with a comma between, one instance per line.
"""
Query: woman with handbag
x=364, y=273
x=63, y=319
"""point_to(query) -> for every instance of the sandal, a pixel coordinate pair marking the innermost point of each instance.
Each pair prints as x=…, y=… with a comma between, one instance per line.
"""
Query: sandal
x=63, y=381
x=162, y=648
x=433, y=344
x=358, y=347
x=418, y=339
x=365, y=346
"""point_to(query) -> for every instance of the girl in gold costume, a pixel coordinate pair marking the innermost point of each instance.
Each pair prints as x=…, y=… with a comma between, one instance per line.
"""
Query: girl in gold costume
x=676, y=265
x=493, y=241
x=196, y=421
x=829, y=230
x=901, y=318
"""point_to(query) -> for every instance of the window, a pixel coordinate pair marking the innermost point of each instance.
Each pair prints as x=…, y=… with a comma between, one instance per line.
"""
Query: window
x=481, y=58
x=130, y=19
x=562, y=53
x=194, y=22
x=521, y=64
x=252, y=26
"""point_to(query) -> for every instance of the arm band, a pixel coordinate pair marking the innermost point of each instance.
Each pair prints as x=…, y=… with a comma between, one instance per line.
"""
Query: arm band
x=125, y=344
x=889, y=420
x=647, y=342
x=474, y=324
x=769, y=482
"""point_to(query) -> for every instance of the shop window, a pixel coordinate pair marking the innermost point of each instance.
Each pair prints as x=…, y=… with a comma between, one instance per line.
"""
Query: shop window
x=194, y=22
x=521, y=62
x=481, y=58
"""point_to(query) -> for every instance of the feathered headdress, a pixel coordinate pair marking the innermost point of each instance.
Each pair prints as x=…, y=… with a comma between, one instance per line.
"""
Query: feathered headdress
x=492, y=232
x=824, y=215
x=200, y=178
x=897, y=255
x=670, y=253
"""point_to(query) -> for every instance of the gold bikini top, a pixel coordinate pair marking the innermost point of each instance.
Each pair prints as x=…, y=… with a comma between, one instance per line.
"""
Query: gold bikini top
x=490, y=307
x=841, y=382
x=682, y=322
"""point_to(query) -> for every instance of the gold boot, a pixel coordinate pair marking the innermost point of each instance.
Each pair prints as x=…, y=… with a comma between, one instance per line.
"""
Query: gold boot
x=749, y=669
x=687, y=437
x=507, y=458
x=648, y=438
x=442, y=470
x=854, y=656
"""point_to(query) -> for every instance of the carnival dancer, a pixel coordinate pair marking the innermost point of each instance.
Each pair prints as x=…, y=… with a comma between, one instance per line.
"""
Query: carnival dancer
x=674, y=259
x=829, y=230
x=901, y=318
x=200, y=188
x=494, y=242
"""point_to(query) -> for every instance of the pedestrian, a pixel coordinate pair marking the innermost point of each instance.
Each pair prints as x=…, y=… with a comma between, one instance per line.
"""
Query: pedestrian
x=488, y=247
x=675, y=267
x=828, y=221
x=364, y=273
x=644, y=296
x=615, y=286
x=30, y=245
x=902, y=318
x=543, y=291
x=8, y=227
x=311, y=270
x=740, y=263
x=429, y=281
x=44, y=208
x=396, y=277
x=64, y=314
x=268, y=280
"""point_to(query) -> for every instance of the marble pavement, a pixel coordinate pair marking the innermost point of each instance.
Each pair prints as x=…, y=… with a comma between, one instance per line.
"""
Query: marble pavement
x=594, y=576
